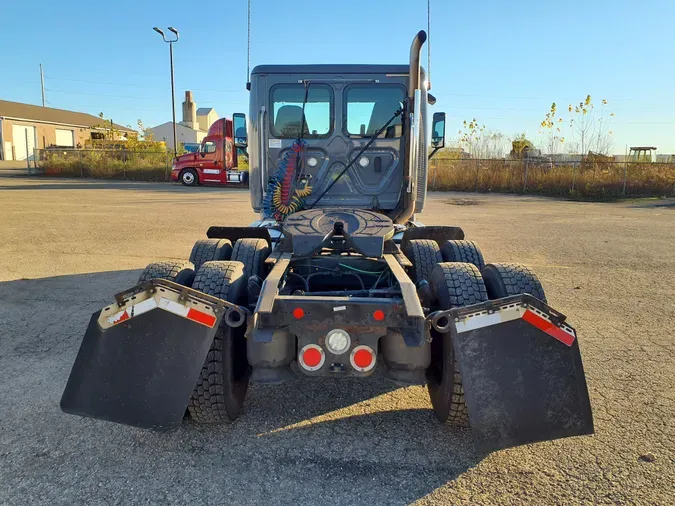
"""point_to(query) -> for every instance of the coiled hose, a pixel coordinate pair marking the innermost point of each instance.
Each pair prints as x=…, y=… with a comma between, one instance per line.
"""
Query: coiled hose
x=280, y=199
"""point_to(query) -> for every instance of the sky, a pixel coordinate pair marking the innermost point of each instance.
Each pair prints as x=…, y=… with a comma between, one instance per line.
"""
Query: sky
x=500, y=62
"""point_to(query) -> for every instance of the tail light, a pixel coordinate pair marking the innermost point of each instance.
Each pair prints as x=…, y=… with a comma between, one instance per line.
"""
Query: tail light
x=362, y=358
x=311, y=357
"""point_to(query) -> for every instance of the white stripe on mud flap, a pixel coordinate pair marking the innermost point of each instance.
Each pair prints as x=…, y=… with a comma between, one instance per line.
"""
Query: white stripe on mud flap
x=485, y=319
x=135, y=310
x=173, y=307
x=206, y=318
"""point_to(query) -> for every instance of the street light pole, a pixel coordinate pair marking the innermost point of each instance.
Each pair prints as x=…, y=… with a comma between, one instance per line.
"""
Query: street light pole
x=173, y=102
x=173, y=97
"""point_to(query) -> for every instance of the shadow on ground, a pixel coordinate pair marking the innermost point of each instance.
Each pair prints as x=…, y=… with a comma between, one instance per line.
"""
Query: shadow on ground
x=338, y=441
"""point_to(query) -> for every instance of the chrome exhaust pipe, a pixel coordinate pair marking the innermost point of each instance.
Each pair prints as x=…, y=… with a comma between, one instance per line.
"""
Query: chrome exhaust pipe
x=415, y=67
x=411, y=144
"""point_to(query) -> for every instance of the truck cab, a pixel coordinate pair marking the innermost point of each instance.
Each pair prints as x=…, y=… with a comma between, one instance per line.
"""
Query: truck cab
x=342, y=107
x=214, y=162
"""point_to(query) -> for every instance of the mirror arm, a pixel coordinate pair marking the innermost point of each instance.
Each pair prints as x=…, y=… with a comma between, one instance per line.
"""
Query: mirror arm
x=431, y=155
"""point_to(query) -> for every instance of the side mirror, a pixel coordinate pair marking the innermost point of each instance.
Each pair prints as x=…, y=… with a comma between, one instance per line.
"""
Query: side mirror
x=438, y=130
x=239, y=127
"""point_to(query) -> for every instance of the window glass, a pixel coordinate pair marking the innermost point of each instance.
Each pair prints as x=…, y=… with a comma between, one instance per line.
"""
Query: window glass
x=209, y=147
x=287, y=102
x=369, y=107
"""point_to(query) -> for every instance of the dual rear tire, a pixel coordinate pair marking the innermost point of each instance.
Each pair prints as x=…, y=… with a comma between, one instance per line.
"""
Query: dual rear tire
x=222, y=385
x=219, y=269
x=461, y=280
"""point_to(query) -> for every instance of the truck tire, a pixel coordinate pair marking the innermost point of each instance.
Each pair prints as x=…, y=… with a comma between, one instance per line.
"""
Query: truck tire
x=463, y=251
x=179, y=272
x=252, y=253
x=454, y=284
x=503, y=280
x=424, y=255
x=189, y=177
x=209, y=250
x=221, y=387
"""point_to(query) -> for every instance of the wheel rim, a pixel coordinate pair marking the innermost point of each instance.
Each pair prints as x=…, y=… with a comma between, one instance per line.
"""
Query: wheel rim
x=188, y=178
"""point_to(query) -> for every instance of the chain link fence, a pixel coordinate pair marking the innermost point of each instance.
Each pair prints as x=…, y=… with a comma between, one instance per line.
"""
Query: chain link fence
x=104, y=164
x=588, y=180
x=604, y=180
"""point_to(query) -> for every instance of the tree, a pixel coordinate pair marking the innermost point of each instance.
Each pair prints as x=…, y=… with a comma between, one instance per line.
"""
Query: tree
x=479, y=142
x=591, y=132
x=552, y=124
x=144, y=131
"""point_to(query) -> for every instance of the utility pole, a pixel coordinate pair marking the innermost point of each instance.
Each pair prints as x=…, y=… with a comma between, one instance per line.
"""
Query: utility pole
x=42, y=84
x=173, y=98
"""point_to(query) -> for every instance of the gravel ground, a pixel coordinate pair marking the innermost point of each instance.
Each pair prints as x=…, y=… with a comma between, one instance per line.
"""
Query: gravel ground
x=67, y=246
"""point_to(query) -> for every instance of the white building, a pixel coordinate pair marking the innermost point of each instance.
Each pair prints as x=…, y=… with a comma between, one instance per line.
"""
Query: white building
x=184, y=135
x=206, y=116
x=192, y=129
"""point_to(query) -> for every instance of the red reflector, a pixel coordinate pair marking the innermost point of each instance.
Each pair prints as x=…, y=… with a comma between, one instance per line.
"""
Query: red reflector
x=311, y=356
x=125, y=316
x=545, y=325
x=378, y=315
x=298, y=313
x=200, y=317
x=363, y=358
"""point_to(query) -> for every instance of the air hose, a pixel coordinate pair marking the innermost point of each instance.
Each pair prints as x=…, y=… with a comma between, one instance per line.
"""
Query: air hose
x=280, y=199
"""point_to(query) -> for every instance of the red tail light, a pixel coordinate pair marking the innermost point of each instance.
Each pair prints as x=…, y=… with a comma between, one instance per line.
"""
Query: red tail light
x=311, y=357
x=362, y=358
x=298, y=313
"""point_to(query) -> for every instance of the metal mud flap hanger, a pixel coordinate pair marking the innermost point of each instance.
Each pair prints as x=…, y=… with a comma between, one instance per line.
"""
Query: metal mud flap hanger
x=167, y=295
x=521, y=371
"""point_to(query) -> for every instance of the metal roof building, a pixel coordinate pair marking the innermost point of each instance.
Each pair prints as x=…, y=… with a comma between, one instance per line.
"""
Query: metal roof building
x=25, y=127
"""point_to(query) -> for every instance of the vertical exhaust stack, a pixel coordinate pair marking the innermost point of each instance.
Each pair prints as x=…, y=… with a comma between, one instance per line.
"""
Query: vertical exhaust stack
x=415, y=66
x=414, y=84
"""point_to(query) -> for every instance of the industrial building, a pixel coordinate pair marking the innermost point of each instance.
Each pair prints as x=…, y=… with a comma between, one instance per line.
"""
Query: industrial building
x=25, y=127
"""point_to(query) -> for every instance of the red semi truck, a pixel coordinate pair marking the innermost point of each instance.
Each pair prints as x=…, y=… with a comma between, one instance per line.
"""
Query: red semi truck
x=216, y=160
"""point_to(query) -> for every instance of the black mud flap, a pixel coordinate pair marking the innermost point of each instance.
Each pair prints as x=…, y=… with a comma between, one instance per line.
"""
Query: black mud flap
x=522, y=373
x=139, y=362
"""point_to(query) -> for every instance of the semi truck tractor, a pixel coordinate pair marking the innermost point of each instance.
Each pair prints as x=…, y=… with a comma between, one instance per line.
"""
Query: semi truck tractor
x=215, y=160
x=337, y=278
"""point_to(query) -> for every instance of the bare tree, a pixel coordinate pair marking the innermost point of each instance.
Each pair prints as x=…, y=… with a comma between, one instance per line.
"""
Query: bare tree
x=591, y=131
x=603, y=141
x=479, y=142
x=551, y=127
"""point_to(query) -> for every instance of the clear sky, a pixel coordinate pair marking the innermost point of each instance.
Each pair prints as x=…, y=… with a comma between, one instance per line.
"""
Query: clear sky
x=502, y=62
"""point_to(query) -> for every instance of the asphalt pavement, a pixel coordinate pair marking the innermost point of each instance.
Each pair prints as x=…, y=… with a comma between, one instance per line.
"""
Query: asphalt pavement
x=66, y=246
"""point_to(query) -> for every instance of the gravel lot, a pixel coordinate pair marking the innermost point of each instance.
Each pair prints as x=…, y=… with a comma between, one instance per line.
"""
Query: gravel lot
x=67, y=246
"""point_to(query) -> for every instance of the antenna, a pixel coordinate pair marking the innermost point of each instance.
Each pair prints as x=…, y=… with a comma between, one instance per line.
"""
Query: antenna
x=248, y=50
x=428, y=45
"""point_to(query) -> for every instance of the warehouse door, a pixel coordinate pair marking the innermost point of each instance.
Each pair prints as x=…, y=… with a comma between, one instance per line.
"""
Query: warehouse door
x=65, y=138
x=23, y=140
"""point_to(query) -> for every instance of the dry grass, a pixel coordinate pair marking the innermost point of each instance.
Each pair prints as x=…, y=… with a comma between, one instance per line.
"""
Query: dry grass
x=111, y=164
x=592, y=182
x=139, y=166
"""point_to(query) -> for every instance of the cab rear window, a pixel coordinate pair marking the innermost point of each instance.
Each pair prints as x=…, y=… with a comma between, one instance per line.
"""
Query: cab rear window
x=287, y=108
x=368, y=108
